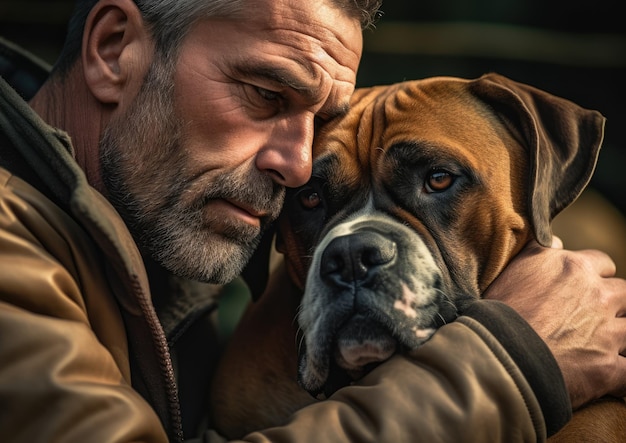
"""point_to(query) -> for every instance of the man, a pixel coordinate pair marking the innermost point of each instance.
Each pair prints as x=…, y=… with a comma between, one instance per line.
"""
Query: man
x=155, y=154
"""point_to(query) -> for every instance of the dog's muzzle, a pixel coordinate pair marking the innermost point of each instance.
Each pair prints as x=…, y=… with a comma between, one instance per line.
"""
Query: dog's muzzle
x=373, y=289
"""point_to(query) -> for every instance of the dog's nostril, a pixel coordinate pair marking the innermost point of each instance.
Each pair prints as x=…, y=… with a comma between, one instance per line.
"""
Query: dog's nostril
x=352, y=257
x=374, y=255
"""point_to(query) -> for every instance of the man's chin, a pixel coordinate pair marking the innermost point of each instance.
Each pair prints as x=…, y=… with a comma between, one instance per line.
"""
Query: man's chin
x=218, y=261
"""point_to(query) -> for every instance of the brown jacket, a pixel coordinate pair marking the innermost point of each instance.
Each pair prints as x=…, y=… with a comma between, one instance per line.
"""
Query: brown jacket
x=85, y=358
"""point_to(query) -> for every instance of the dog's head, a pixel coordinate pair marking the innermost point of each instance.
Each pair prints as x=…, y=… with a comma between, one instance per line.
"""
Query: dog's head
x=419, y=197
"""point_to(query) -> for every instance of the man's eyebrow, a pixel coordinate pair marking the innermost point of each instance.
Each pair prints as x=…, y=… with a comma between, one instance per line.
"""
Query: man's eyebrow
x=286, y=78
x=280, y=76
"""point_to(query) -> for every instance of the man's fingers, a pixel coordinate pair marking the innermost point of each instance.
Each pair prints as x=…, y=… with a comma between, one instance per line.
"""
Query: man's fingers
x=620, y=332
x=601, y=263
x=619, y=302
x=619, y=367
x=620, y=390
x=598, y=261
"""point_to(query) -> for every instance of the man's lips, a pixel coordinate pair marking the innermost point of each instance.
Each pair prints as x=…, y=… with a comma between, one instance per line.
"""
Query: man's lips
x=239, y=210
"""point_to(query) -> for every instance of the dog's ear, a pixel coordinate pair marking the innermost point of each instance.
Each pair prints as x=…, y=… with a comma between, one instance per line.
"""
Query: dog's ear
x=563, y=141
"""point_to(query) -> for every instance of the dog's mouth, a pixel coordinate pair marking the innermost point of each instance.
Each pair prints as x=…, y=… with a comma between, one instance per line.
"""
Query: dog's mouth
x=360, y=343
x=350, y=355
x=358, y=346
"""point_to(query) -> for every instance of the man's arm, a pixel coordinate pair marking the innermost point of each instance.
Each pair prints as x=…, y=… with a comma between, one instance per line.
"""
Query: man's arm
x=461, y=385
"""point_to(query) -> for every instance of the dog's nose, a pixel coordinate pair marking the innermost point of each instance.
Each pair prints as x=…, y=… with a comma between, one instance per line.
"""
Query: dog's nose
x=353, y=258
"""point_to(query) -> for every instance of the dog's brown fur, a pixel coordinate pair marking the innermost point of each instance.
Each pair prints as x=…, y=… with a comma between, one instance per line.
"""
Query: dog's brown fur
x=484, y=122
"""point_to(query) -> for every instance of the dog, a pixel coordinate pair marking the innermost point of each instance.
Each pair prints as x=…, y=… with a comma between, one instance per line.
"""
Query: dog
x=419, y=198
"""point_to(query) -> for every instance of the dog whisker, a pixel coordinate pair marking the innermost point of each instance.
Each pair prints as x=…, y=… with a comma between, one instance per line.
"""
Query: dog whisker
x=443, y=320
x=300, y=340
x=298, y=311
x=446, y=298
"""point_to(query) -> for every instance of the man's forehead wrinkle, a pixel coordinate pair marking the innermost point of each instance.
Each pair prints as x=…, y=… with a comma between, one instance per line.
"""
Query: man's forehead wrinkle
x=323, y=45
x=319, y=44
x=321, y=41
x=318, y=48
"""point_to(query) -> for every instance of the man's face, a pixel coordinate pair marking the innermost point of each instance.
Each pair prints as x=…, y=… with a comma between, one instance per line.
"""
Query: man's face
x=198, y=163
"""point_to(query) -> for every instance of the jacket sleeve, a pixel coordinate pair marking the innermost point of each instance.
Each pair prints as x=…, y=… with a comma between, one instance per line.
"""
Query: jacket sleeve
x=58, y=380
x=461, y=385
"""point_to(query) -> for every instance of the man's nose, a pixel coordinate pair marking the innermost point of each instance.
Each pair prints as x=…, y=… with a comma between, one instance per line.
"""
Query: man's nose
x=287, y=157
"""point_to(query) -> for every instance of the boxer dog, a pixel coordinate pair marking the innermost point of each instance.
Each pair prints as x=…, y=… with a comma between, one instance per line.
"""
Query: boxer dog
x=419, y=198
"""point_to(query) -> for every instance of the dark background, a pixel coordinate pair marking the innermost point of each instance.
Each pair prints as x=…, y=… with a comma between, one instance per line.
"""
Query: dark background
x=575, y=49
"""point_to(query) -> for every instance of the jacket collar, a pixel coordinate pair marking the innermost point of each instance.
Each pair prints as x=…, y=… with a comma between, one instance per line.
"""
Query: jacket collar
x=45, y=156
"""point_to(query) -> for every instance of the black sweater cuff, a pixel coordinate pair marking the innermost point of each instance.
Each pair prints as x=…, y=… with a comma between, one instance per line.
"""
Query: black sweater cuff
x=532, y=356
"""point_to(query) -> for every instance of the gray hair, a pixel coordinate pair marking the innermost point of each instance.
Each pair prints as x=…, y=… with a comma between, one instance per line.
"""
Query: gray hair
x=169, y=21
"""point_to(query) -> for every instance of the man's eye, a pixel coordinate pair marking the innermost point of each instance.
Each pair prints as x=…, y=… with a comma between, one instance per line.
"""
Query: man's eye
x=263, y=103
x=268, y=95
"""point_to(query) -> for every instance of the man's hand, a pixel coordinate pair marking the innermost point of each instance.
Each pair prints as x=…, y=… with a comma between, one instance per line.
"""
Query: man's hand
x=577, y=306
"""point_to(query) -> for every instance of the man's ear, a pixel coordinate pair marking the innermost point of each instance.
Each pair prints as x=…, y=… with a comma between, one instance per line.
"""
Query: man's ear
x=116, y=46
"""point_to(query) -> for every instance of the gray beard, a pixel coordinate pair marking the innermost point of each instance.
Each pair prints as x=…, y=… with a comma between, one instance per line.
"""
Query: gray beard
x=143, y=169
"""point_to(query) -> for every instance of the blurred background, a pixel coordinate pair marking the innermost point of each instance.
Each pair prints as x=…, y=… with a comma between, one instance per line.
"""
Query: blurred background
x=574, y=48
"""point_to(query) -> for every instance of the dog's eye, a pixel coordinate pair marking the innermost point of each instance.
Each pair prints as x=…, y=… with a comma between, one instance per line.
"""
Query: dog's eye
x=309, y=199
x=438, y=181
